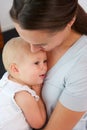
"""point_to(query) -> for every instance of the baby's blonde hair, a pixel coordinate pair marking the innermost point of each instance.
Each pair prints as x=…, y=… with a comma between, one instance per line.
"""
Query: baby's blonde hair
x=14, y=51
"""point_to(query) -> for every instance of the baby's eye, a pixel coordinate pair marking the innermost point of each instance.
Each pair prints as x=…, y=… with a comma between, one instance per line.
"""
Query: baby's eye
x=45, y=61
x=36, y=63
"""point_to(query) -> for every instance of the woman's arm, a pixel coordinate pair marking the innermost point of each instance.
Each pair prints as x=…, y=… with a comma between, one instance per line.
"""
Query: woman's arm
x=63, y=118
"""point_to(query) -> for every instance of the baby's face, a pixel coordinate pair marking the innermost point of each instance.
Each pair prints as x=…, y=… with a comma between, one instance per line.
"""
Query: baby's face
x=34, y=68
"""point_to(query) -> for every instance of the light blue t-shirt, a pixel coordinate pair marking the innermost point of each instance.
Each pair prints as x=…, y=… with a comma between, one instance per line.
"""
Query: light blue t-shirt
x=66, y=81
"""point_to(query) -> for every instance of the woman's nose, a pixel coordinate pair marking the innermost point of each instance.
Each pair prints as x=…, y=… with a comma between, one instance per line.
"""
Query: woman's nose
x=35, y=48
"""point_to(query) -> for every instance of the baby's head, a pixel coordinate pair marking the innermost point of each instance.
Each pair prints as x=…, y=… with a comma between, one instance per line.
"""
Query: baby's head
x=14, y=51
x=24, y=66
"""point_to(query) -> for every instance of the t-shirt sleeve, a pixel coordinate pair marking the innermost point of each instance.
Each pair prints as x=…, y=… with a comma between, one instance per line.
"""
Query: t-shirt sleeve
x=74, y=96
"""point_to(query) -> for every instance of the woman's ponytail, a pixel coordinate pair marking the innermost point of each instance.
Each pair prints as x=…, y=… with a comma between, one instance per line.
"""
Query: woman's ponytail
x=80, y=24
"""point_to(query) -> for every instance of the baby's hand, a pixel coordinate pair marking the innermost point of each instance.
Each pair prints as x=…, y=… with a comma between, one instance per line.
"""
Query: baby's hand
x=37, y=89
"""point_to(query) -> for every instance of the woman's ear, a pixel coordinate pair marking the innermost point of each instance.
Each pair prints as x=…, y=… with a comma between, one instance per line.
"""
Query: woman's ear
x=14, y=68
x=72, y=22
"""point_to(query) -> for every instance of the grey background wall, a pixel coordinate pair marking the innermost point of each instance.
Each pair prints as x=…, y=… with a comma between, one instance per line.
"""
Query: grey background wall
x=5, y=21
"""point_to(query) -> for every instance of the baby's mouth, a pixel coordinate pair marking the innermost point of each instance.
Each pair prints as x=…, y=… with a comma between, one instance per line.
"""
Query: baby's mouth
x=43, y=76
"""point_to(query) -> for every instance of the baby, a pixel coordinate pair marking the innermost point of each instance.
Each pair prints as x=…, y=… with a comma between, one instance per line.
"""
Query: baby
x=21, y=105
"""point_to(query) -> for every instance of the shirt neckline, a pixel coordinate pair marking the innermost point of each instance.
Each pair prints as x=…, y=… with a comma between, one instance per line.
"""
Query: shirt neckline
x=70, y=53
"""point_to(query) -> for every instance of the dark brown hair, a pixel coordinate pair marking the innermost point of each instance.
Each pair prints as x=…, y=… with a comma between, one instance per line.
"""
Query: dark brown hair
x=49, y=15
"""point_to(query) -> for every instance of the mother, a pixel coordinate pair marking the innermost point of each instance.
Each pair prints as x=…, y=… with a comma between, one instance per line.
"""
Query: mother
x=60, y=28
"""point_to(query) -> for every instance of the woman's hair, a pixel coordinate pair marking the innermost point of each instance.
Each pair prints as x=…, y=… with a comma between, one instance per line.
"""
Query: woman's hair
x=49, y=15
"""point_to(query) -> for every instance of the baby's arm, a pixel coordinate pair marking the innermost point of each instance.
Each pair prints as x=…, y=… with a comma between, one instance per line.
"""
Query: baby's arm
x=34, y=111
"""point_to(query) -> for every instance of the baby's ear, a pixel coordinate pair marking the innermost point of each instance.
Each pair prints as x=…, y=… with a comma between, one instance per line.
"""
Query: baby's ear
x=14, y=68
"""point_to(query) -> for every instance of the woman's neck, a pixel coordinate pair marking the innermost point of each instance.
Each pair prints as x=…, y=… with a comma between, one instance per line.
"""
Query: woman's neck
x=55, y=54
x=72, y=38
